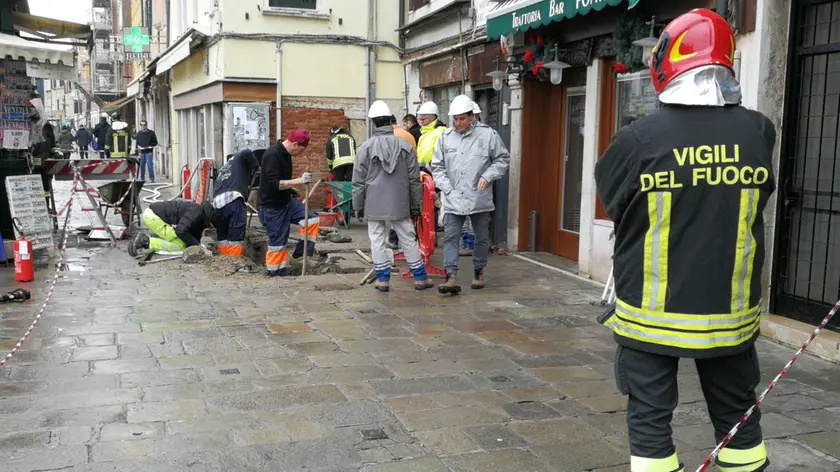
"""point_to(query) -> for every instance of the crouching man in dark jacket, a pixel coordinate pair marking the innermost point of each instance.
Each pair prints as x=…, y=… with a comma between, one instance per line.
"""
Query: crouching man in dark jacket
x=178, y=224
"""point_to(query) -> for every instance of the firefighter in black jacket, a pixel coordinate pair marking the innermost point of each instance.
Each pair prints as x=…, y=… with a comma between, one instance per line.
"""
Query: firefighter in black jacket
x=341, y=154
x=686, y=187
x=178, y=224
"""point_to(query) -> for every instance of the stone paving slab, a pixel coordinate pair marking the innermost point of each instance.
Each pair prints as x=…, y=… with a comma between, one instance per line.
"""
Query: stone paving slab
x=171, y=368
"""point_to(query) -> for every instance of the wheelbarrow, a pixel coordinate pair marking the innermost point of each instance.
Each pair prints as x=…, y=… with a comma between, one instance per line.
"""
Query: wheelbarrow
x=115, y=196
x=340, y=200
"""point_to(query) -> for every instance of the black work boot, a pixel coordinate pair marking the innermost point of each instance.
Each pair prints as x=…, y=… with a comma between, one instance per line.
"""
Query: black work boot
x=450, y=287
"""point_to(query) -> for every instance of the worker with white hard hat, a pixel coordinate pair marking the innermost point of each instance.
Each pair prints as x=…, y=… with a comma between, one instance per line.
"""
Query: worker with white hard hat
x=387, y=188
x=430, y=130
x=468, y=158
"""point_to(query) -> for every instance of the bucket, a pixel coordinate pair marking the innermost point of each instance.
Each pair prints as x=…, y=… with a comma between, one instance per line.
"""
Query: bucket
x=327, y=218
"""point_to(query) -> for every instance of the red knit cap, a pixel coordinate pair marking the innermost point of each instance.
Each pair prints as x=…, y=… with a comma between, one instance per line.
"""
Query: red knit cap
x=299, y=136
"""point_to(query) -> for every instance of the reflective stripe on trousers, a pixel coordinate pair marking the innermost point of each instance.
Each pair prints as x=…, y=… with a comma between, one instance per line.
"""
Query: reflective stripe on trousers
x=166, y=239
x=314, y=228
x=742, y=460
x=231, y=248
x=276, y=258
x=644, y=464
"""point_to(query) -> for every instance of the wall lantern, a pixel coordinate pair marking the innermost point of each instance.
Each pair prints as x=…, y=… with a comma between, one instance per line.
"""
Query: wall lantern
x=556, y=68
x=647, y=44
x=513, y=66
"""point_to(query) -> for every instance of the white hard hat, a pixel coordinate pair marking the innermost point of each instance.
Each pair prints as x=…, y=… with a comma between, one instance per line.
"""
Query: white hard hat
x=428, y=108
x=379, y=109
x=460, y=105
x=476, y=109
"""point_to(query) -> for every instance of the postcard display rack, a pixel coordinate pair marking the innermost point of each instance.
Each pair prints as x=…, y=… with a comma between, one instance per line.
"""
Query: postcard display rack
x=15, y=87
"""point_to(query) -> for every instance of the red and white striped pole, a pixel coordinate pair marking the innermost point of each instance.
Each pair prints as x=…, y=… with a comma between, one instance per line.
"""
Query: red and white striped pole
x=770, y=387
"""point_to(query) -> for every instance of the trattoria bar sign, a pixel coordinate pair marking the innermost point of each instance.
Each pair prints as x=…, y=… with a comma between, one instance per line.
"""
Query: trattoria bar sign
x=545, y=12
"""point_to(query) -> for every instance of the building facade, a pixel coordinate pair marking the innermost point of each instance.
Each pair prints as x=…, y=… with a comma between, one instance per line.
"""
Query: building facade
x=228, y=65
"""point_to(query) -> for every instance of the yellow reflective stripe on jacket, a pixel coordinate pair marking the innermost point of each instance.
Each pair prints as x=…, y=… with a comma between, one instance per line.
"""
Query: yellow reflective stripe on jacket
x=645, y=464
x=685, y=331
x=655, y=282
x=340, y=160
x=428, y=140
x=744, y=250
x=742, y=460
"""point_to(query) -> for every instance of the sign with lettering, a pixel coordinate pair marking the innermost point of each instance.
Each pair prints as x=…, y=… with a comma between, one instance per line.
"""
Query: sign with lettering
x=28, y=204
x=136, y=43
x=16, y=139
x=706, y=165
x=504, y=21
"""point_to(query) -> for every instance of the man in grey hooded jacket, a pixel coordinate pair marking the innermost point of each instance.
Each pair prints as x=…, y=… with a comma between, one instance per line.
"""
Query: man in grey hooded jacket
x=468, y=158
x=387, y=188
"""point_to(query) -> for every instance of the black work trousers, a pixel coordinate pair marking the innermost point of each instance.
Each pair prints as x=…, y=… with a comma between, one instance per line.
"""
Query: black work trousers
x=343, y=173
x=650, y=380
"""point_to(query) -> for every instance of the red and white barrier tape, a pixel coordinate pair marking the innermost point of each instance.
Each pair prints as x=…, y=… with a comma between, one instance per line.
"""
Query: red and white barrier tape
x=130, y=186
x=49, y=293
x=749, y=412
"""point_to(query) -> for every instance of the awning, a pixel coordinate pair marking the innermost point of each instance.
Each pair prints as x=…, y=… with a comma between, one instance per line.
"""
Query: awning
x=31, y=51
x=180, y=50
x=117, y=104
x=54, y=28
x=512, y=16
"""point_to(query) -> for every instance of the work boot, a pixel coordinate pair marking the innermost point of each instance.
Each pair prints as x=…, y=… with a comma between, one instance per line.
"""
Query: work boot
x=141, y=241
x=423, y=284
x=382, y=285
x=478, y=279
x=284, y=272
x=450, y=287
x=465, y=252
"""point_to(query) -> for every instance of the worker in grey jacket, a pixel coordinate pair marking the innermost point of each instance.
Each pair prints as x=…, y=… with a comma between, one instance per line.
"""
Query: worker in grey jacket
x=468, y=158
x=387, y=188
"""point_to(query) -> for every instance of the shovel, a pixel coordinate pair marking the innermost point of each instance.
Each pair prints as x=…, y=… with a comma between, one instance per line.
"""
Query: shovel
x=162, y=259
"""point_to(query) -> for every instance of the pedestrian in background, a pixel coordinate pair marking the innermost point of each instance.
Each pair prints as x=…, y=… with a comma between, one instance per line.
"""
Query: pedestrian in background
x=65, y=141
x=145, y=141
x=83, y=140
x=468, y=157
x=410, y=124
x=387, y=189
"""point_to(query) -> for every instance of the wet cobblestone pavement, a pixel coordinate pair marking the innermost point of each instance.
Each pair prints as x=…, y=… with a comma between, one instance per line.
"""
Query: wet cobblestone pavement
x=169, y=368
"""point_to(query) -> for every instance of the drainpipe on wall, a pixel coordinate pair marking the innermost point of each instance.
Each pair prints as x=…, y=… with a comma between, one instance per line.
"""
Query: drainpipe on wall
x=371, y=63
x=278, y=113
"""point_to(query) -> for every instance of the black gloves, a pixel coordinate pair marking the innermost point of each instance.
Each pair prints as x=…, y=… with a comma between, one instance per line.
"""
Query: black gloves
x=359, y=214
x=415, y=213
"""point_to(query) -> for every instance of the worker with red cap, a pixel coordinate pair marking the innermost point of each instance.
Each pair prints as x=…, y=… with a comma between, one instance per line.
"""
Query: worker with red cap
x=686, y=187
x=279, y=209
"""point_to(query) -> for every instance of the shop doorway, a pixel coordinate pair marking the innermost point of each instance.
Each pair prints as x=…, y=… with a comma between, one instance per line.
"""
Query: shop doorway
x=552, y=165
x=807, y=263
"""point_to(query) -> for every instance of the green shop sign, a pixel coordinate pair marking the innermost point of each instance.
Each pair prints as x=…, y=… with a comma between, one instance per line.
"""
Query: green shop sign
x=533, y=15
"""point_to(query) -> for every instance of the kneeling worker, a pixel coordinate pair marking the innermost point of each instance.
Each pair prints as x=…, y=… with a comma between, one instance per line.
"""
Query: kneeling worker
x=278, y=209
x=178, y=224
x=387, y=187
x=232, y=185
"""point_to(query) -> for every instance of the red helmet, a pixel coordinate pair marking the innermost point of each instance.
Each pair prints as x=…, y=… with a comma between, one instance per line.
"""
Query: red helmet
x=698, y=38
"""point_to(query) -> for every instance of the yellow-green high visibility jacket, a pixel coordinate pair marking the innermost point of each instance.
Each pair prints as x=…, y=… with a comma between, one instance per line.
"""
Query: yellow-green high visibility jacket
x=429, y=135
x=120, y=144
x=341, y=150
x=686, y=187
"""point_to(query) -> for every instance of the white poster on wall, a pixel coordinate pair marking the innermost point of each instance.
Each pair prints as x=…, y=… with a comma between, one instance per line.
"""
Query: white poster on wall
x=29, y=205
x=248, y=126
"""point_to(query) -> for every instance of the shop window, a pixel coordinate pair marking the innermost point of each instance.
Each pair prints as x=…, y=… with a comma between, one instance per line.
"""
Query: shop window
x=635, y=98
x=443, y=96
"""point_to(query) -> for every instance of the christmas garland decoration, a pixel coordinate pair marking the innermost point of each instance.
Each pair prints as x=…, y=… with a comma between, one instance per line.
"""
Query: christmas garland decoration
x=630, y=27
